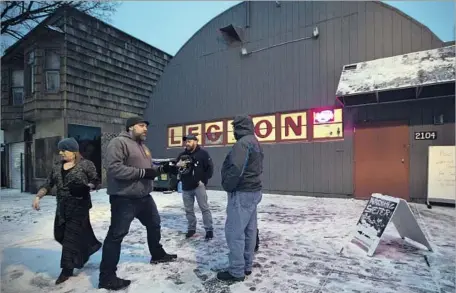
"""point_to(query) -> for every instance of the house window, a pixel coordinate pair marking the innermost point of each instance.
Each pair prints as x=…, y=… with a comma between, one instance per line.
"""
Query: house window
x=52, y=71
x=30, y=74
x=17, y=87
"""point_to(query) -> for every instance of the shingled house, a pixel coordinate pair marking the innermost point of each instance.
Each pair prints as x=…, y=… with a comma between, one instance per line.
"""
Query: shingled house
x=71, y=76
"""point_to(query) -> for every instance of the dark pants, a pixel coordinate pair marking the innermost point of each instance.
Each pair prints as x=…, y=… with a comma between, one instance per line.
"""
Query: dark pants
x=123, y=211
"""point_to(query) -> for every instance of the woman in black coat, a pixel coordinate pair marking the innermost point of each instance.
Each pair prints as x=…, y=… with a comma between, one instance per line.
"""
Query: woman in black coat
x=74, y=177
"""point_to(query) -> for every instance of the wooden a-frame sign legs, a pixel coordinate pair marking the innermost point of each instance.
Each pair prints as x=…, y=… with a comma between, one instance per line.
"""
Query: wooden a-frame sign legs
x=378, y=213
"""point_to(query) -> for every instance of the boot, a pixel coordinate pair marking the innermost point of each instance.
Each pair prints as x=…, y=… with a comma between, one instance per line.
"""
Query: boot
x=64, y=275
x=190, y=233
x=257, y=244
x=114, y=284
x=248, y=273
x=161, y=256
x=226, y=276
x=209, y=235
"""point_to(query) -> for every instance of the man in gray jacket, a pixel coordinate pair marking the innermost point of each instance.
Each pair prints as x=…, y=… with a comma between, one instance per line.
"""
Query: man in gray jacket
x=241, y=179
x=130, y=181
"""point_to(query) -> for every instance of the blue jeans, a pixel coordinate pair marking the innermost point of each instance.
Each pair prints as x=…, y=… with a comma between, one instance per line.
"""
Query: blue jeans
x=241, y=230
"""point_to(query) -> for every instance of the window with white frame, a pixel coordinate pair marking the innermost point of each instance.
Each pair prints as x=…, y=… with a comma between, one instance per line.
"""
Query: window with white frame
x=17, y=87
x=52, y=71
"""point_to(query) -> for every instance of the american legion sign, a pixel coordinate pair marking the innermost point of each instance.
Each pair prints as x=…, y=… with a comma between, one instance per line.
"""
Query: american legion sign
x=302, y=126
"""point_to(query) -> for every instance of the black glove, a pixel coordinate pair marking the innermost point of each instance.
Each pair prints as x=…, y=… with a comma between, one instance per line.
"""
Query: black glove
x=79, y=190
x=169, y=169
x=150, y=173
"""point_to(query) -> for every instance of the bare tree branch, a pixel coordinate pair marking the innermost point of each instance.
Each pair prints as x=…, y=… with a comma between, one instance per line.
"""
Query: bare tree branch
x=24, y=15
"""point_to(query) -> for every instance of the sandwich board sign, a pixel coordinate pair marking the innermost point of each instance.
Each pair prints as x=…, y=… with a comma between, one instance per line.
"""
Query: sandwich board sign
x=378, y=213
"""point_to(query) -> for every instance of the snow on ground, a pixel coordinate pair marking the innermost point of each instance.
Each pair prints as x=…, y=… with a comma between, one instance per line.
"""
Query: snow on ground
x=301, y=238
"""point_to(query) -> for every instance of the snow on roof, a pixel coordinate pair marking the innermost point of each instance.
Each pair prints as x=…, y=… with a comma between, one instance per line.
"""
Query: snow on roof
x=402, y=71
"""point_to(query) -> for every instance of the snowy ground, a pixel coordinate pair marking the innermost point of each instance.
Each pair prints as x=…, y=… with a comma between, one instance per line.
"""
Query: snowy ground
x=301, y=238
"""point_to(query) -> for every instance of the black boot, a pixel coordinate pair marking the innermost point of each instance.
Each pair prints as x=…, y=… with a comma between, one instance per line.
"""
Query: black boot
x=257, y=245
x=209, y=235
x=64, y=275
x=190, y=233
x=226, y=276
x=161, y=256
x=114, y=284
x=248, y=273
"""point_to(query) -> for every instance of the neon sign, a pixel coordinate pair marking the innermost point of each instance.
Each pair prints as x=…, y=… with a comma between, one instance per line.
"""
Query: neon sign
x=325, y=116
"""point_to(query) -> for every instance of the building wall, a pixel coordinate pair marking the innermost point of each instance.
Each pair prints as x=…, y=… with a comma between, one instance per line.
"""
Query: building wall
x=208, y=80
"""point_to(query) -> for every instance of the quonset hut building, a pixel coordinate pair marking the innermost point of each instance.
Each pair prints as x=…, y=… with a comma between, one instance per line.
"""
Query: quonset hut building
x=340, y=92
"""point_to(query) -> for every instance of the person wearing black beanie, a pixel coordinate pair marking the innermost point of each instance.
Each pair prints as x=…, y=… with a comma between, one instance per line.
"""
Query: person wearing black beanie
x=74, y=177
x=130, y=175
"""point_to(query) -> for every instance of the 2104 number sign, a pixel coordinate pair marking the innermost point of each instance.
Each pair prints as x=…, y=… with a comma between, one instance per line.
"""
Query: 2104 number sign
x=426, y=135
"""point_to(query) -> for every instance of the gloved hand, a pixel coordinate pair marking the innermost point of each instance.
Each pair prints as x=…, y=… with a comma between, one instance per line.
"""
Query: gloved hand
x=169, y=168
x=79, y=189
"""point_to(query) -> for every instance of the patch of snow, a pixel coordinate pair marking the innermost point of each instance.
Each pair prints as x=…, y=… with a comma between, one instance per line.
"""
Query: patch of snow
x=402, y=71
x=300, y=241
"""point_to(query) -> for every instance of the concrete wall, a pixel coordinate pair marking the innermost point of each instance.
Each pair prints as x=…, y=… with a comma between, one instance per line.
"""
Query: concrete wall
x=209, y=79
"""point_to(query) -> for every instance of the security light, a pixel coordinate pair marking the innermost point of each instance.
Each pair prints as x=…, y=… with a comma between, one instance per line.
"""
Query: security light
x=244, y=51
x=315, y=32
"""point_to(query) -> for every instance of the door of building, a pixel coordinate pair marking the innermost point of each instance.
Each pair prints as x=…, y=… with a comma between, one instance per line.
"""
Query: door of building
x=16, y=165
x=381, y=160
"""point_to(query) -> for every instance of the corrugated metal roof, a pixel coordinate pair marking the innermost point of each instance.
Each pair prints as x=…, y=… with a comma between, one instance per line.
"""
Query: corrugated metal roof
x=403, y=71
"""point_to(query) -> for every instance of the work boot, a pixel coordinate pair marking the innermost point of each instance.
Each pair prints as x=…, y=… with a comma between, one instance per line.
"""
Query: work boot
x=64, y=275
x=209, y=235
x=257, y=244
x=226, y=276
x=190, y=233
x=114, y=284
x=161, y=257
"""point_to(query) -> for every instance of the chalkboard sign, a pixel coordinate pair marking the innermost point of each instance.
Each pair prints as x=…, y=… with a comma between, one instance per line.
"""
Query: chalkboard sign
x=376, y=215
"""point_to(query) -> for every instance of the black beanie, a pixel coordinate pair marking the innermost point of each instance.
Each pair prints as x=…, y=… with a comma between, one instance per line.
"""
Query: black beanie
x=68, y=144
x=135, y=120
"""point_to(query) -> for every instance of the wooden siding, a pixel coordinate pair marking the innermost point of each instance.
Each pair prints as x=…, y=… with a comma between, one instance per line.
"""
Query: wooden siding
x=109, y=75
x=208, y=80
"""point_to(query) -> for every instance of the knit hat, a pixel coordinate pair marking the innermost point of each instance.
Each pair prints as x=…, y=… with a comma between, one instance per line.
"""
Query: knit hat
x=135, y=120
x=190, y=137
x=68, y=144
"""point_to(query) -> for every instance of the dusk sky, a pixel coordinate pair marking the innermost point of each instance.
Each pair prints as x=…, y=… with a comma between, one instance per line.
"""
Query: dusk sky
x=167, y=25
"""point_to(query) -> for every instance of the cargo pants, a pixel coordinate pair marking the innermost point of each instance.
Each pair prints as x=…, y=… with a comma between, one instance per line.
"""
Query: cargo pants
x=241, y=230
x=200, y=194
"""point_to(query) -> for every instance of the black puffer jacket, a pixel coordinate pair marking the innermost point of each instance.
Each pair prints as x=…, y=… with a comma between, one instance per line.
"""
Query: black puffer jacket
x=243, y=166
x=202, y=168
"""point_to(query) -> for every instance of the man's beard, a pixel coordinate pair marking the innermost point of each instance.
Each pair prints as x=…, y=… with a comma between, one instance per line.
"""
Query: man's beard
x=139, y=136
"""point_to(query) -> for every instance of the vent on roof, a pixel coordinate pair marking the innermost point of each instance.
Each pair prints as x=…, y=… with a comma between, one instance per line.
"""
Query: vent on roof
x=350, y=67
x=232, y=34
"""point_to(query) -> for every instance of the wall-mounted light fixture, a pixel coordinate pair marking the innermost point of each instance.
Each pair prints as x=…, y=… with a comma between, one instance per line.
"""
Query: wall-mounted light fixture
x=316, y=33
x=244, y=51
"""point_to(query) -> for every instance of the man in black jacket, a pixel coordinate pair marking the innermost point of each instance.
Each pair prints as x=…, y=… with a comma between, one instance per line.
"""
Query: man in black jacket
x=241, y=172
x=195, y=168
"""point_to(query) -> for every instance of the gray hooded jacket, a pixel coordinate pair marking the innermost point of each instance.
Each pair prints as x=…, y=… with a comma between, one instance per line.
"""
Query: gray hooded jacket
x=126, y=160
x=243, y=166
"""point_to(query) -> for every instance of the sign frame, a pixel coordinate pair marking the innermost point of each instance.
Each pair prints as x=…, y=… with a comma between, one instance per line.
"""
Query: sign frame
x=402, y=218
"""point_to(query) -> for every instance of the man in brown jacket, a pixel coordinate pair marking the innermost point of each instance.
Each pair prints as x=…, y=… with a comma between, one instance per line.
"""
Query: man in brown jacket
x=130, y=175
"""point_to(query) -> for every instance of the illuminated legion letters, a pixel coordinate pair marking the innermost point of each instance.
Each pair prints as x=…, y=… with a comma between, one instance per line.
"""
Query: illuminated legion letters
x=279, y=127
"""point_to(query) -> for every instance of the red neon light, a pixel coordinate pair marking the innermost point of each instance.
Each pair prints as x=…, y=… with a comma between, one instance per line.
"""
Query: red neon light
x=325, y=116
